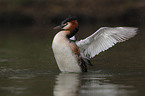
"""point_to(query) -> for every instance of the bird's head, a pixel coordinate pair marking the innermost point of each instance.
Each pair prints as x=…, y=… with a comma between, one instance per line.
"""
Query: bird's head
x=69, y=24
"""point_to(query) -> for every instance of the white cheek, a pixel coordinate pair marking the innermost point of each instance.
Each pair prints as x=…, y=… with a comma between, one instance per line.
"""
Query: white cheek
x=67, y=26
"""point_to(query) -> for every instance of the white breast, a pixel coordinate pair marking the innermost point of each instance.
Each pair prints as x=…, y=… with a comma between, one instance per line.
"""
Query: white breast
x=66, y=60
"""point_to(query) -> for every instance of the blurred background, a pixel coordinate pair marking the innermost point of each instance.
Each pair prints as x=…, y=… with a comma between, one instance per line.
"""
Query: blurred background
x=27, y=64
x=45, y=13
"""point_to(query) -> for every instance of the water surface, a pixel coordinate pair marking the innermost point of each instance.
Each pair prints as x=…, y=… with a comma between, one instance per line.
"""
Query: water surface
x=28, y=67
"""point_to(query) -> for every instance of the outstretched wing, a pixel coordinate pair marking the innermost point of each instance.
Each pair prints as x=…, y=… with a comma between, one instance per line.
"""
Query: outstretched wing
x=103, y=39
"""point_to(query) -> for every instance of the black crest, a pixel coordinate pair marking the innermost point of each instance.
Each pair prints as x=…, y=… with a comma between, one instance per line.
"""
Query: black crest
x=69, y=19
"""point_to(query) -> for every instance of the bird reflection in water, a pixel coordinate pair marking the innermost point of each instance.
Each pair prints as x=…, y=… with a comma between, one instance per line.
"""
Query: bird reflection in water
x=70, y=84
x=67, y=84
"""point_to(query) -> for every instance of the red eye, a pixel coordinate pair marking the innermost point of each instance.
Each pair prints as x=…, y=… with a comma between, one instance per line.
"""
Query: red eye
x=73, y=21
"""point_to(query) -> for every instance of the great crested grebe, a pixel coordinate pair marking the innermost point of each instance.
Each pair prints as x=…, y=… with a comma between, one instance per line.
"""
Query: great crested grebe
x=72, y=56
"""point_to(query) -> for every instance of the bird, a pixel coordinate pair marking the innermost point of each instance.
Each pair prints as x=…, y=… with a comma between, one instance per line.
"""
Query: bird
x=74, y=56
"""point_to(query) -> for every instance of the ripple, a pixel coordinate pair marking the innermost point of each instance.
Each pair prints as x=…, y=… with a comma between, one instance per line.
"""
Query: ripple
x=16, y=90
x=22, y=77
x=21, y=73
x=3, y=60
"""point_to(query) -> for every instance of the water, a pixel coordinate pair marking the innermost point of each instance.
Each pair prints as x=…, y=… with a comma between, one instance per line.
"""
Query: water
x=28, y=67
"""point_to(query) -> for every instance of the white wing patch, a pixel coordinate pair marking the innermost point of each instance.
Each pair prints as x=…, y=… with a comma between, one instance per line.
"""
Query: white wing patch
x=103, y=39
x=73, y=38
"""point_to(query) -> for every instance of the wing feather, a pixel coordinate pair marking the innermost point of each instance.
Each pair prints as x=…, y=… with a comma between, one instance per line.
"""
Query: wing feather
x=103, y=39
